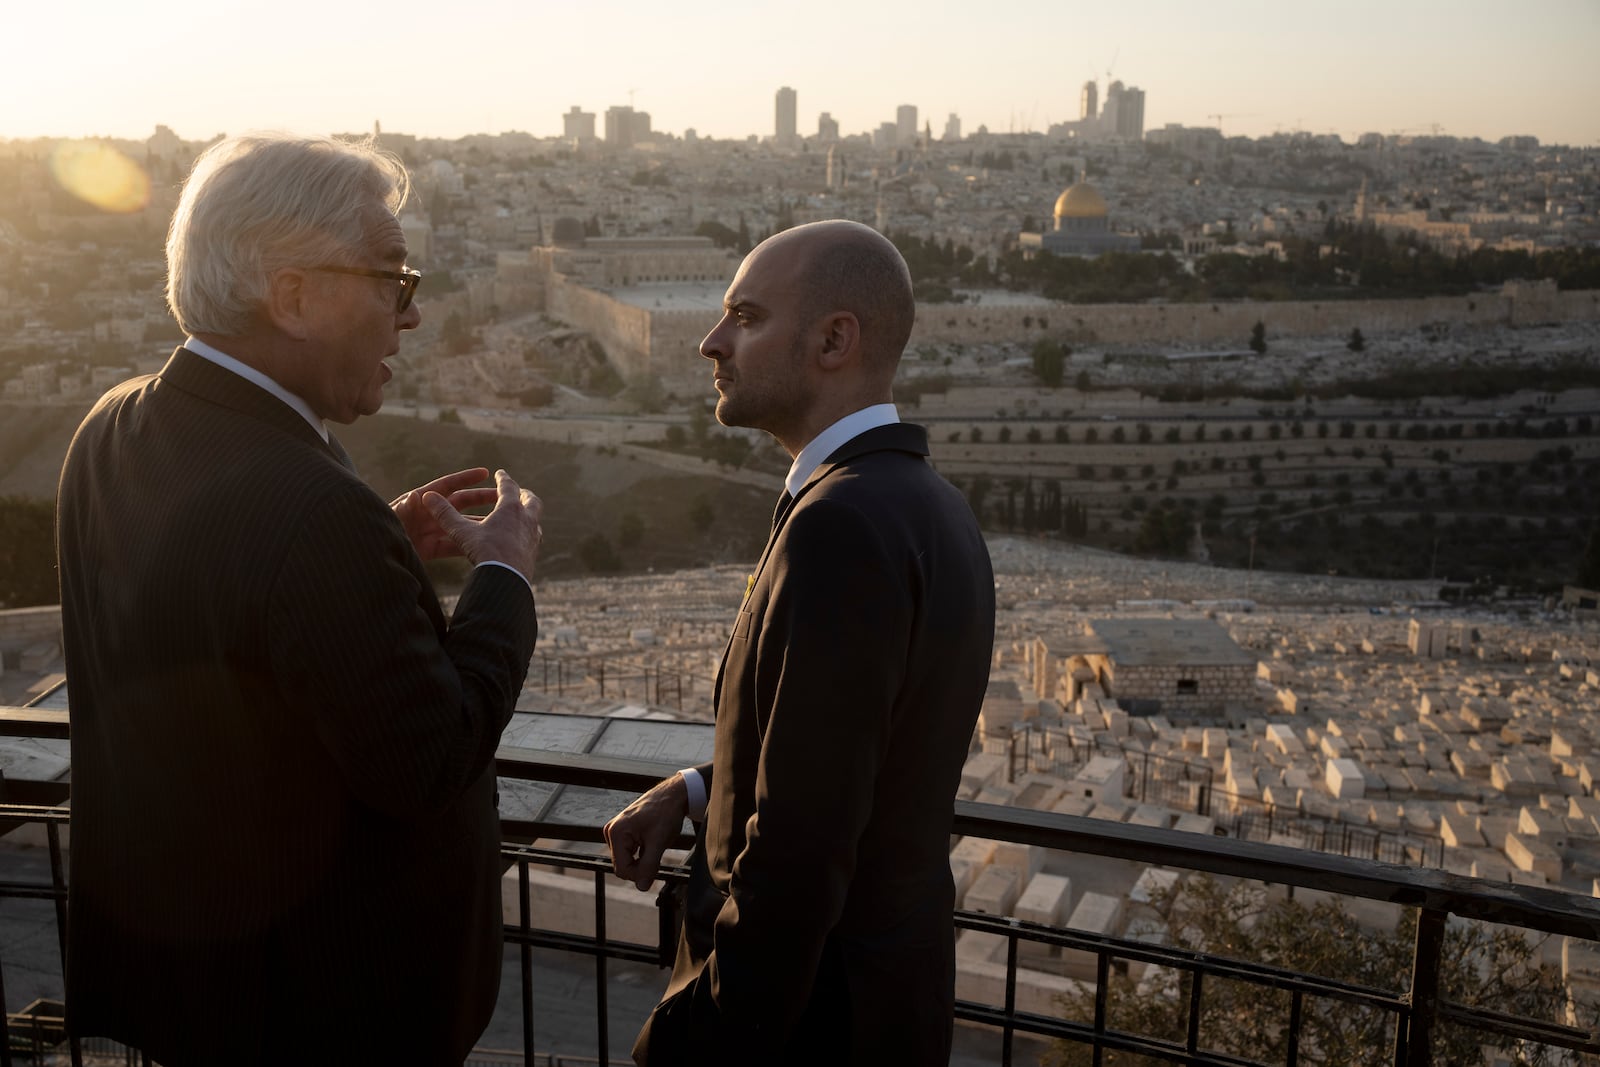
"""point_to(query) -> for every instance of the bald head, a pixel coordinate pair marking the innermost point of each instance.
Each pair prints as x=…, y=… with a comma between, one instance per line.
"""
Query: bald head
x=845, y=266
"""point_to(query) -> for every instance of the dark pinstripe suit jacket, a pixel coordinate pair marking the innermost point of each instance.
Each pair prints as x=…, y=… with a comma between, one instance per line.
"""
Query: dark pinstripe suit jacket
x=819, y=926
x=284, y=837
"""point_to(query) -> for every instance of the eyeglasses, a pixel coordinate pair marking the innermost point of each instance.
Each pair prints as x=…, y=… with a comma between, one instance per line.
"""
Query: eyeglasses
x=407, y=278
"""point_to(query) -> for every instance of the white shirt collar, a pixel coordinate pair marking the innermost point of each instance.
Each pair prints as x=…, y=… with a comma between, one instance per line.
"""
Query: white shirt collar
x=825, y=443
x=255, y=377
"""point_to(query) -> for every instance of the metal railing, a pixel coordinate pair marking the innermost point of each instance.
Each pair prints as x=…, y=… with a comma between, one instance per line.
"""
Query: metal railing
x=1417, y=1011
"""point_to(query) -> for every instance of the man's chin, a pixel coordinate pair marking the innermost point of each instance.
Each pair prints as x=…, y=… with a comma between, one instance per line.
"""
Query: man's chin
x=727, y=413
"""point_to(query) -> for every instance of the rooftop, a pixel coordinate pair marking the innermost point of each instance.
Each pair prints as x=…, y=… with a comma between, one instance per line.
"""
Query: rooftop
x=1170, y=642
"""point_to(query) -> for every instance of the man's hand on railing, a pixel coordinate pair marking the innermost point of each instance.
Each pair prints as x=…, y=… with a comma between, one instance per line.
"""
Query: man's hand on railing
x=641, y=832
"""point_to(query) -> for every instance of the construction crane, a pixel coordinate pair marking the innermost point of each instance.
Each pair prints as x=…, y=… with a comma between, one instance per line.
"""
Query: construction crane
x=1219, y=116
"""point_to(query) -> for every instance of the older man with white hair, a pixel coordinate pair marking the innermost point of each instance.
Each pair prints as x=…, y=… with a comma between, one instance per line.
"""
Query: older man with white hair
x=284, y=836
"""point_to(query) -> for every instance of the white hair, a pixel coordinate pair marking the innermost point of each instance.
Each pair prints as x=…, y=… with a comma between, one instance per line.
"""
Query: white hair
x=258, y=203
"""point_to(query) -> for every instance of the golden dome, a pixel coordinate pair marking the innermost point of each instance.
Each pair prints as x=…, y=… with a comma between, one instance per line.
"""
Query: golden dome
x=1081, y=201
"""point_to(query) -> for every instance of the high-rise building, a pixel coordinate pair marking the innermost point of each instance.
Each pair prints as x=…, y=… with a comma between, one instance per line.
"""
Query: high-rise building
x=626, y=127
x=578, y=125
x=784, y=132
x=1124, y=112
x=1130, y=116
x=827, y=128
x=1112, y=108
x=1089, y=101
x=906, y=124
x=835, y=174
x=952, y=127
x=619, y=126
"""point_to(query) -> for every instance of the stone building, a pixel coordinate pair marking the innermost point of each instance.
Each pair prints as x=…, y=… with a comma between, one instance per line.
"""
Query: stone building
x=1181, y=664
x=1184, y=665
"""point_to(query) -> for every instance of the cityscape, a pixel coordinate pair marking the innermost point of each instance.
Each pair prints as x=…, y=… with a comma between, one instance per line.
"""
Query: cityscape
x=1286, y=446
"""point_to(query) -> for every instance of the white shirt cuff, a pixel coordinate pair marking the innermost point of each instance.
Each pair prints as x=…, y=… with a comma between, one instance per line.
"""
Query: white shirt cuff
x=509, y=567
x=696, y=788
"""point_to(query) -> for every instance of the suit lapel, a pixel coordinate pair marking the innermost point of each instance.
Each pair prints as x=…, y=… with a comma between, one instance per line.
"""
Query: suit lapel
x=217, y=385
x=903, y=436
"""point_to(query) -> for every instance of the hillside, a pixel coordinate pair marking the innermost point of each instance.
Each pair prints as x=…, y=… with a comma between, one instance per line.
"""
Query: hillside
x=588, y=493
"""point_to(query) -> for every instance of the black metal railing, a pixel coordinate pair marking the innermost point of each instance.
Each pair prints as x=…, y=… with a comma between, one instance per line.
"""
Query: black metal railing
x=1416, y=1011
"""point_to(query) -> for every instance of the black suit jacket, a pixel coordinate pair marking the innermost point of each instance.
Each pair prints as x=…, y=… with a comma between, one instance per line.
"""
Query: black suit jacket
x=819, y=924
x=284, y=837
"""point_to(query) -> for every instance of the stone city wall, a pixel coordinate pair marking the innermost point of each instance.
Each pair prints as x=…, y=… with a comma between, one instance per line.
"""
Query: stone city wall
x=1231, y=323
x=675, y=338
x=666, y=343
x=622, y=329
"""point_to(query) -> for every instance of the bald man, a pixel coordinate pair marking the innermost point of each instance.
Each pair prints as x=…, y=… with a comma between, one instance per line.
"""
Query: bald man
x=819, y=916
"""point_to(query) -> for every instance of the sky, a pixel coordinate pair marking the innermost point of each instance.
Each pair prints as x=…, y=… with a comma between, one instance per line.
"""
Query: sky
x=447, y=68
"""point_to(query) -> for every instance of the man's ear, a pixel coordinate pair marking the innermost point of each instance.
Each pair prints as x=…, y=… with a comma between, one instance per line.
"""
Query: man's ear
x=841, y=340
x=288, y=304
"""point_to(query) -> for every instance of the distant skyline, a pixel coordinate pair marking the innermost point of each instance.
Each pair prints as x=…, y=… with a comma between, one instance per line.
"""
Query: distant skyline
x=1469, y=68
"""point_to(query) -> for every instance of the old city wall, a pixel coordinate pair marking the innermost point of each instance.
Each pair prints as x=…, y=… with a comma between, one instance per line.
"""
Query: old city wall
x=1231, y=323
x=666, y=342
x=675, y=338
x=623, y=329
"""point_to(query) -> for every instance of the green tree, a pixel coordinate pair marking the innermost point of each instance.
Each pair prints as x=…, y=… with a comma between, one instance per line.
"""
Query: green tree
x=1258, y=337
x=598, y=555
x=1589, y=566
x=27, y=552
x=701, y=514
x=1493, y=968
x=1049, y=362
x=630, y=529
x=699, y=424
x=722, y=236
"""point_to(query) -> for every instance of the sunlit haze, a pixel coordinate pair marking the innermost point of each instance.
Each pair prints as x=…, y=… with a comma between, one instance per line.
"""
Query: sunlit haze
x=1469, y=67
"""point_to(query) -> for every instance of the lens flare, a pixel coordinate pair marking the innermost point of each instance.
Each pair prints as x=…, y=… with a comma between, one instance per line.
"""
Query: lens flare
x=101, y=175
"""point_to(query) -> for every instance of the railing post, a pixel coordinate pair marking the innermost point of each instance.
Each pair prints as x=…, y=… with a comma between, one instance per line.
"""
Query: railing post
x=1424, y=990
x=601, y=1009
x=666, y=926
x=1007, y=1035
x=1102, y=994
x=1192, y=1038
x=5, y=1028
x=525, y=956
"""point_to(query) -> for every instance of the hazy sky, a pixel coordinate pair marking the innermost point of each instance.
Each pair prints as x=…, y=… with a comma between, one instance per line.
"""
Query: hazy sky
x=451, y=67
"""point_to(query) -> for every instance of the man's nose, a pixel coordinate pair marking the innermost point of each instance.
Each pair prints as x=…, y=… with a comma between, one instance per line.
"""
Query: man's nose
x=411, y=317
x=712, y=347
